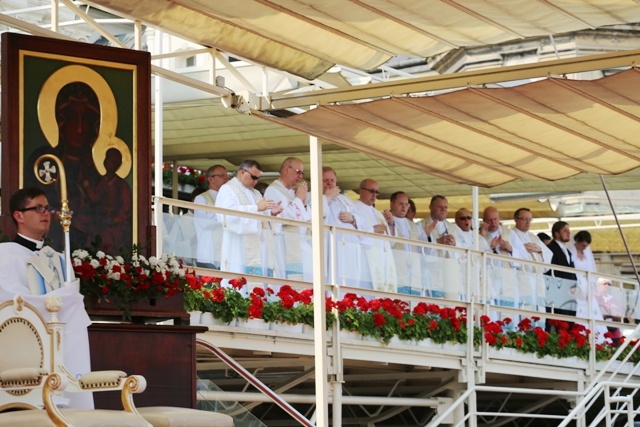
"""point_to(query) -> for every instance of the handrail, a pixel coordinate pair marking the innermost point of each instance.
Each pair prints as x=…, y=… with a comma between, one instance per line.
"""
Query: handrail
x=256, y=383
x=482, y=262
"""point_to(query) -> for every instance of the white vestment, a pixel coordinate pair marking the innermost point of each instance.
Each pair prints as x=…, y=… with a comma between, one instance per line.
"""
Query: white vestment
x=14, y=268
x=244, y=240
x=209, y=230
x=502, y=279
x=465, y=240
x=588, y=263
x=292, y=244
x=347, y=248
x=408, y=257
x=531, y=284
x=180, y=237
x=377, y=270
x=443, y=265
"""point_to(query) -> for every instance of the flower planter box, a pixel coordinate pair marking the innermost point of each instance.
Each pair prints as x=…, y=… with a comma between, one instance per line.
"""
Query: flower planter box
x=153, y=310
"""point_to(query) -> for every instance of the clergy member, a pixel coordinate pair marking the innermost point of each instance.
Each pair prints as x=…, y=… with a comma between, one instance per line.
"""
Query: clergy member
x=407, y=256
x=245, y=241
x=339, y=213
x=208, y=228
x=292, y=243
x=31, y=213
x=377, y=269
x=529, y=247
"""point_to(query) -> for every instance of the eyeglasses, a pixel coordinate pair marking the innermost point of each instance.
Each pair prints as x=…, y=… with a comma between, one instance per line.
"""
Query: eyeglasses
x=40, y=209
x=464, y=218
x=253, y=177
x=298, y=171
x=370, y=190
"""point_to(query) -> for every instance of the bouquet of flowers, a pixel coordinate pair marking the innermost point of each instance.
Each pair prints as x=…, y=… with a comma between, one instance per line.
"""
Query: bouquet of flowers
x=124, y=280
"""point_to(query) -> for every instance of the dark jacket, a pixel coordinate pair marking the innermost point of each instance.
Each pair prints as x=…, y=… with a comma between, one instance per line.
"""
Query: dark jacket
x=559, y=258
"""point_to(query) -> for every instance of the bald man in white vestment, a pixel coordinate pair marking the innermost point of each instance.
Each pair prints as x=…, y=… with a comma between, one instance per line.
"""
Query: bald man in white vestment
x=292, y=243
x=377, y=270
x=528, y=246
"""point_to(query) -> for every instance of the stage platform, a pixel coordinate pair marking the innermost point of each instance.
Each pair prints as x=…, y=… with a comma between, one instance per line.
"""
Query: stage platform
x=400, y=383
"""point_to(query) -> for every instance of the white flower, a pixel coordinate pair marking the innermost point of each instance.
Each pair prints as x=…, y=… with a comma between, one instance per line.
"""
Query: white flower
x=77, y=262
x=120, y=259
x=153, y=260
x=95, y=263
x=114, y=276
x=80, y=253
x=100, y=254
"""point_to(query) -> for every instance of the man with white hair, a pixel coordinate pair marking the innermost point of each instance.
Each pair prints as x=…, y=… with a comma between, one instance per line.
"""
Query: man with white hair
x=292, y=243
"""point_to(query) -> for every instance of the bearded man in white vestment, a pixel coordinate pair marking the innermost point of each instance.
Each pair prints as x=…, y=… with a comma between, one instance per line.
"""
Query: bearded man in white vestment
x=292, y=243
x=23, y=272
x=245, y=241
x=377, y=270
x=209, y=229
x=528, y=246
x=407, y=257
x=338, y=212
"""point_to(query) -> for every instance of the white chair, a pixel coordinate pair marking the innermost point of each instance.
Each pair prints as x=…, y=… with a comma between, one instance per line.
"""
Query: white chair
x=32, y=377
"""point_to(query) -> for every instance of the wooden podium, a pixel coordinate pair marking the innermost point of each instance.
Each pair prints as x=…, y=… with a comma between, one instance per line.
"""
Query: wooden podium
x=164, y=354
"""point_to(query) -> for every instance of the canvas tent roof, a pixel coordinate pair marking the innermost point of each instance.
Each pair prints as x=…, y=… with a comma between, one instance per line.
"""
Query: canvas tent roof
x=307, y=37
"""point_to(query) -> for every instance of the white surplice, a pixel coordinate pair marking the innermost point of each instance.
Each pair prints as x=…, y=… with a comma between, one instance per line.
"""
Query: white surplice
x=292, y=244
x=347, y=248
x=531, y=285
x=245, y=241
x=502, y=277
x=208, y=229
x=588, y=263
x=377, y=270
x=14, y=259
x=408, y=257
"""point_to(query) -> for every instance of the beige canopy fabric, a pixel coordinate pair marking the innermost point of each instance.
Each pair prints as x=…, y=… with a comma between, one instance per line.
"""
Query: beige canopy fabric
x=548, y=130
x=307, y=37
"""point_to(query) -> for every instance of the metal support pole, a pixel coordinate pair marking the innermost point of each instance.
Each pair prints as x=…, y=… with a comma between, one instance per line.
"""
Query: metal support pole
x=158, y=113
x=319, y=319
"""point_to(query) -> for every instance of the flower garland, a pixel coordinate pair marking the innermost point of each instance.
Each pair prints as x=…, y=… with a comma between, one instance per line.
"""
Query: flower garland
x=386, y=318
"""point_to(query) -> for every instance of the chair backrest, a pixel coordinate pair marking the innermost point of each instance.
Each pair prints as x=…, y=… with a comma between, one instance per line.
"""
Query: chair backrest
x=27, y=342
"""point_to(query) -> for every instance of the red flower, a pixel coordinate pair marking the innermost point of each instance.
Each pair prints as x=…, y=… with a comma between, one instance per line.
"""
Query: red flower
x=218, y=295
x=379, y=320
x=259, y=291
x=237, y=283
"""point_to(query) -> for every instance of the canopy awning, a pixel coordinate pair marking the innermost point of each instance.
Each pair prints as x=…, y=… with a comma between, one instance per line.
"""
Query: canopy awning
x=307, y=37
x=548, y=130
